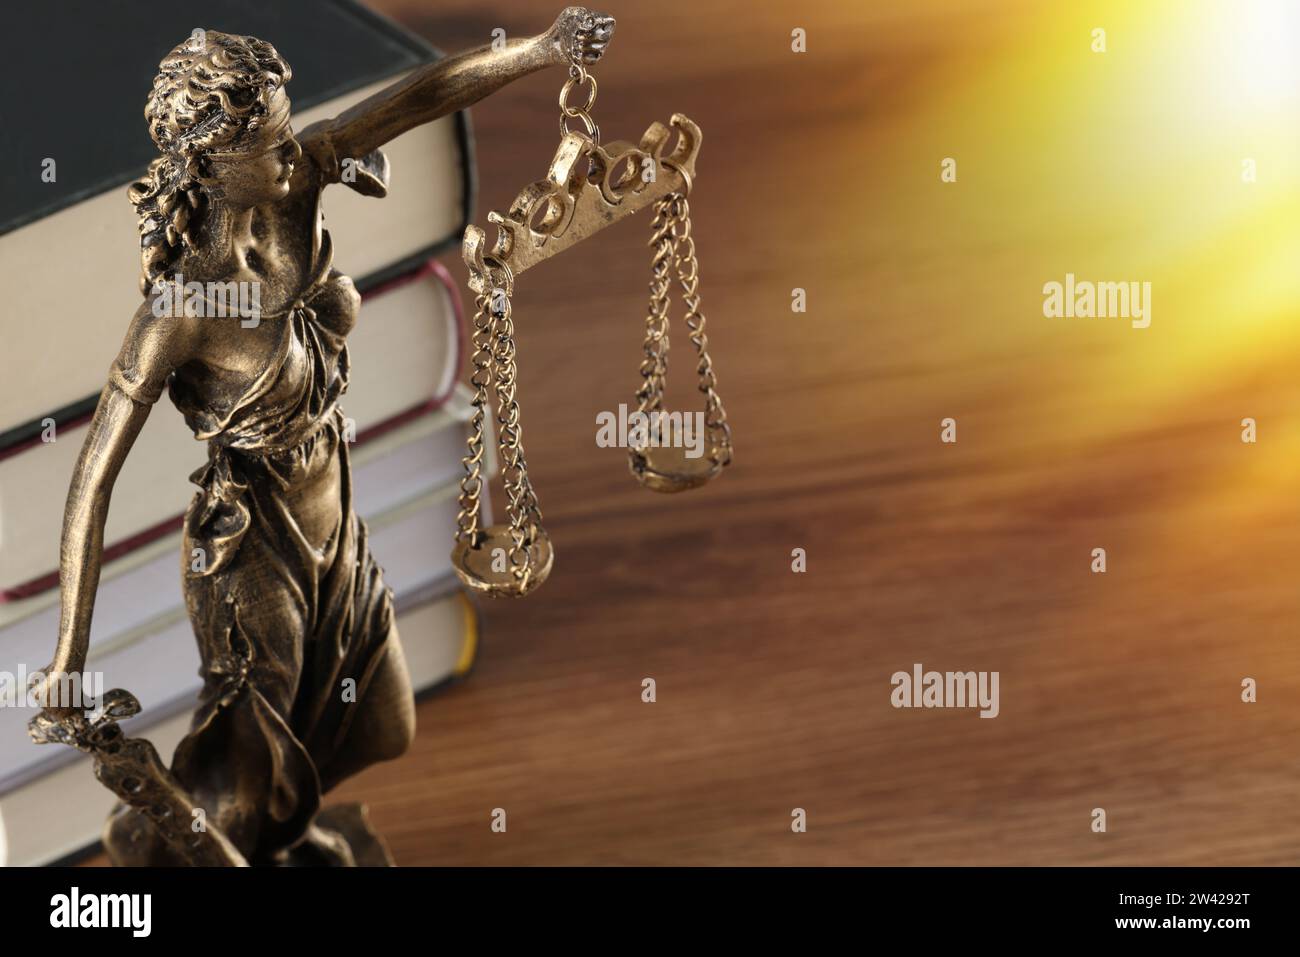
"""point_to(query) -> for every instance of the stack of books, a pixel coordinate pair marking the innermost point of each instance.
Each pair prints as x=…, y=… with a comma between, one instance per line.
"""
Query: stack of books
x=70, y=260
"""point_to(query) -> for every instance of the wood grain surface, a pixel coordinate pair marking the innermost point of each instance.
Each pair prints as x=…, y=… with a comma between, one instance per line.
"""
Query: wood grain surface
x=1119, y=691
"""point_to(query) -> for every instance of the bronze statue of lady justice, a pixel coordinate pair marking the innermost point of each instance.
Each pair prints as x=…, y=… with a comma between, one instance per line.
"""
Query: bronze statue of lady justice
x=285, y=598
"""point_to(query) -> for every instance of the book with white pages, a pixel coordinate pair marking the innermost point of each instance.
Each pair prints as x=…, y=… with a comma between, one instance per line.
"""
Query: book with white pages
x=61, y=814
x=405, y=357
x=405, y=486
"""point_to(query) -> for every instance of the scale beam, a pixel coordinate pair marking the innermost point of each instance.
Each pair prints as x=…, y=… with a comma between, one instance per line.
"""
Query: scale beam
x=589, y=187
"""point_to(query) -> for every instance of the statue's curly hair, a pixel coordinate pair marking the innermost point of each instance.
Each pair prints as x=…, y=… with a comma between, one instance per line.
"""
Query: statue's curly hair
x=211, y=93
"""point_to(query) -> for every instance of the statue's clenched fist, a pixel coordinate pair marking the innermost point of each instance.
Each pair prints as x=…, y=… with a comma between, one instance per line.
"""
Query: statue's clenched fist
x=583, y=34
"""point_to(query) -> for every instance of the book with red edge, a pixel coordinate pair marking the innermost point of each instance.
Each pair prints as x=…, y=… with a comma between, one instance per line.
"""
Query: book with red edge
x=407, y=351
x=406, y=472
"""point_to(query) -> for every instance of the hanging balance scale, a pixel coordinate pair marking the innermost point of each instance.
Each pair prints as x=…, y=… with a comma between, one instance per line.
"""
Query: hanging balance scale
x=589, y=186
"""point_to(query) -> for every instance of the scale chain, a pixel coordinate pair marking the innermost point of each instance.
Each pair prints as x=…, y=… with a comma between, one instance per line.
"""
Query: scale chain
x=687, y=268
x=674, y=255
x=654, y=367
x=522, y=506
x=471, y=484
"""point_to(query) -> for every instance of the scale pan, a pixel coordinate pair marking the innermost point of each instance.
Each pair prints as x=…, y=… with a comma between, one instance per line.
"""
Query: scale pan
x=668, y=469
x=473, y=565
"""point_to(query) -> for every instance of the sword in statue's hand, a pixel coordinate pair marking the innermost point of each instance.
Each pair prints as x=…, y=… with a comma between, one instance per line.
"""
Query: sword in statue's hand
x=132, y=769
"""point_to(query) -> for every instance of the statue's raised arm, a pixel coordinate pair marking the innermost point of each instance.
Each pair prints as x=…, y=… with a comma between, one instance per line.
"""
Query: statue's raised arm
x=578, y=36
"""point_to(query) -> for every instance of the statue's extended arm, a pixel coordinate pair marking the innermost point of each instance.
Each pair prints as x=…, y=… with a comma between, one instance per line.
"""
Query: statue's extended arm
x=148, y=356
x=113, y=430
x=460, y=81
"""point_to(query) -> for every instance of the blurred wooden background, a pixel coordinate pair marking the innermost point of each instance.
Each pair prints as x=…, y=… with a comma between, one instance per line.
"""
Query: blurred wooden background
x=1118, y=691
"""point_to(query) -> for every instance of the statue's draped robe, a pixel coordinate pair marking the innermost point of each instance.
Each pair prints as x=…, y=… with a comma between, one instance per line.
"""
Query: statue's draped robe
x=290, y=610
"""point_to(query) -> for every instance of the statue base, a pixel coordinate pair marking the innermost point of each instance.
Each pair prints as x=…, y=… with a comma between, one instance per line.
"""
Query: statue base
x=340, y=836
